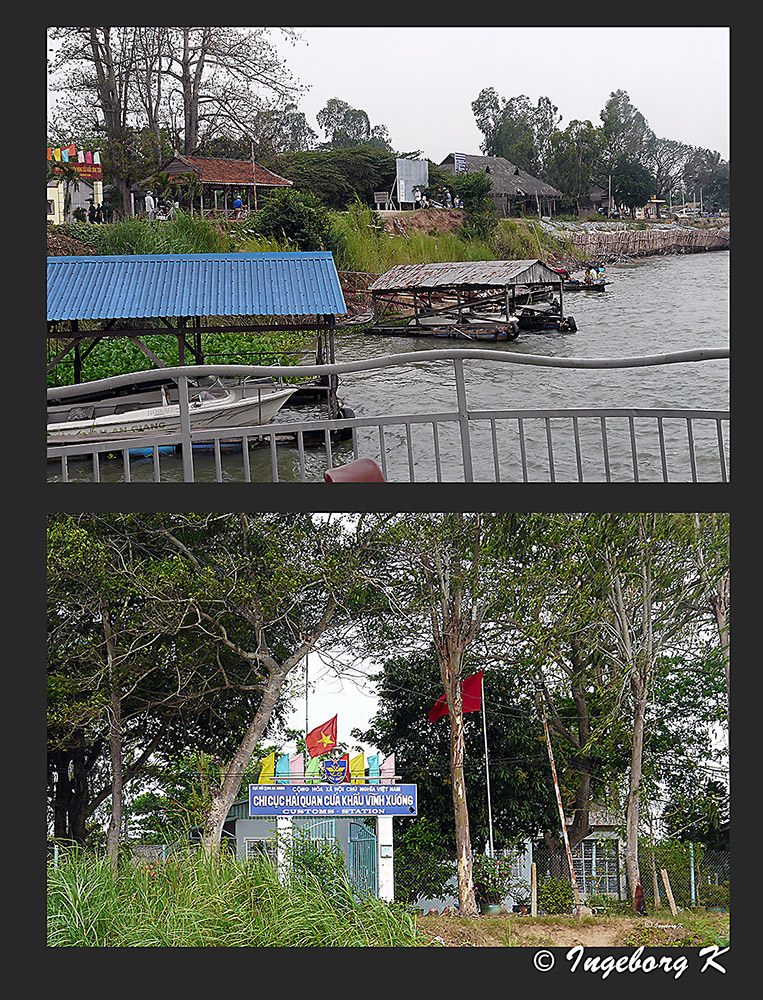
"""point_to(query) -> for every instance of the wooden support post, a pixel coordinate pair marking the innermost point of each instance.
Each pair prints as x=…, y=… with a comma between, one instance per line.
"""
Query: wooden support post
x=533, y=891
x=181, y=340
x=77, y=354
x=668, y=890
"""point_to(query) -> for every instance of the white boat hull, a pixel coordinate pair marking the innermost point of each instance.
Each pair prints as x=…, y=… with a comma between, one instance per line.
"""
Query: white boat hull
x=239, y=408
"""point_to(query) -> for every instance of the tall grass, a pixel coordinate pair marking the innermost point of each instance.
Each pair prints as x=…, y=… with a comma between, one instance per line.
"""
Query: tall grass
x=197, y=901
x=180, y=234
x=368, y=248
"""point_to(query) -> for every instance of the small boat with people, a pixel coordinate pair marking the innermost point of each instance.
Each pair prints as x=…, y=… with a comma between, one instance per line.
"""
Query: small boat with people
x=78, y=415
x=592, y=281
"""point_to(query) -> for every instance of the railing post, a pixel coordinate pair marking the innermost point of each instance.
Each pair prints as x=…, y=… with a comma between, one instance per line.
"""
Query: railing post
x=185, y=429
x=463, y=420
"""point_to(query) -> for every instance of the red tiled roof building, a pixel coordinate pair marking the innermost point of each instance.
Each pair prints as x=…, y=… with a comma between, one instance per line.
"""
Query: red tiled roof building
x=227, y=177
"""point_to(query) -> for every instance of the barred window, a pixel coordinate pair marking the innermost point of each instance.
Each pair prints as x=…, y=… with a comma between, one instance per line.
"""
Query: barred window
x=596, y=866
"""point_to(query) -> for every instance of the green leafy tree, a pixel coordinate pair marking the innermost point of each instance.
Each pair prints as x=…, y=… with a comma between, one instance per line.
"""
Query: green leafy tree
x=345, y=126
x=572, y=160
x=699, y=817
x=338, y=177
x=440, y=588
x=260, y=590
x=297, y=217
x=627, y=135
x=632, y=184
x=516, y=130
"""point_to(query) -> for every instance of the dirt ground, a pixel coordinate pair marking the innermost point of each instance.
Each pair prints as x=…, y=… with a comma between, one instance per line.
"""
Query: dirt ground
x=424, y=220
x=63, y=246
x=563, y=932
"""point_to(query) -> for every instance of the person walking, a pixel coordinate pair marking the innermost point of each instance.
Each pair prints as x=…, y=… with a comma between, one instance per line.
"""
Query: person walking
x=150, y=205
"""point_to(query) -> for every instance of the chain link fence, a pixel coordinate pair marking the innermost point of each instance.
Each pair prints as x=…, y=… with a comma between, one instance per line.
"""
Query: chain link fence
x=698, y=877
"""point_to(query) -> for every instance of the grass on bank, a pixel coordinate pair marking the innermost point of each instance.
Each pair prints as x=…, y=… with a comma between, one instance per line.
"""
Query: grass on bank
x=362, y=245
x=196, y=901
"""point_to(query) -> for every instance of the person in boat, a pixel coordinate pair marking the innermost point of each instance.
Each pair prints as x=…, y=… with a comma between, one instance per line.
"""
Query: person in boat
x=590, y=276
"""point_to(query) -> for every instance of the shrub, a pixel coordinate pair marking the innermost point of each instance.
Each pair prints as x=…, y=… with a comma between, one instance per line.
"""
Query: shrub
x=298, y=218
x=422, y=865
x=492, y=878
x=555, y=896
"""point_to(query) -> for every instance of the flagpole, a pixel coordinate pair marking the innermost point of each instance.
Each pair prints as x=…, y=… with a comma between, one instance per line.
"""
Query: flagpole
x=487, y=770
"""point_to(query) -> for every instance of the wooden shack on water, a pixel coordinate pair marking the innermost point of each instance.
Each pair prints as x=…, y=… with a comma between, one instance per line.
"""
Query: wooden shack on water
x=476, y=299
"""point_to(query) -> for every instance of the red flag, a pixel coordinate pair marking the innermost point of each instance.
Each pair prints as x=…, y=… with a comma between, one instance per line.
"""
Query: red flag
x=322, y=738
x=471, y=695
x=346, y=757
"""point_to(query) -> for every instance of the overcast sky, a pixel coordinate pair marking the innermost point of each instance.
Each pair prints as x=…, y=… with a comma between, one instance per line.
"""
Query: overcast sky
x=420, y=82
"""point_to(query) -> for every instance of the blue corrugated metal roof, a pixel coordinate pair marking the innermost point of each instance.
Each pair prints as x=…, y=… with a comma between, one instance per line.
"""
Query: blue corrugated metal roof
x=216, y=284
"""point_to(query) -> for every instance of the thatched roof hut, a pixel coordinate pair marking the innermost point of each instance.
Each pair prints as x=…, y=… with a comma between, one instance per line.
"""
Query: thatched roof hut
x=514, y=191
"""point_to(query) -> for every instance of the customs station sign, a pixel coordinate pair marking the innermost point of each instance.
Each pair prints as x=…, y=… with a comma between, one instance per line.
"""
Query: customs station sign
x=332, y=800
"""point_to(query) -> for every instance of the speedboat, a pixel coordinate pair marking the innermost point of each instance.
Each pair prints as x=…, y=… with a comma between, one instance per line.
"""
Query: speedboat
x=86, y=418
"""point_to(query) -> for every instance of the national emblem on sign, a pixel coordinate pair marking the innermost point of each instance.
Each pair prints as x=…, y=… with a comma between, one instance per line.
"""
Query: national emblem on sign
x=335, y=770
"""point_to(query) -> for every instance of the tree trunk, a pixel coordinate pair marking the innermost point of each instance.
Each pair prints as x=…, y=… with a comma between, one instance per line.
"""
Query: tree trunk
x=634, y=792
x=62, y=793
x=111, y=106
x=79, y=799
x=467, y=904
x=224, y=795
x=115, y=748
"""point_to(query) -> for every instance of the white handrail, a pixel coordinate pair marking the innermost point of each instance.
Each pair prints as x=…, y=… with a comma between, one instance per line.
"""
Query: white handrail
x=389, y=361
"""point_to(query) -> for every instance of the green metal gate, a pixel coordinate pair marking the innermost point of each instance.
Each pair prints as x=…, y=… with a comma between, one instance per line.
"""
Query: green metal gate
x=321, y=830
x=363, y=859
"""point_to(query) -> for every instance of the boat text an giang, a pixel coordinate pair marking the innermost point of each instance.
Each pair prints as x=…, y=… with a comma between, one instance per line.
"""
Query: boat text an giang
x=79, y=415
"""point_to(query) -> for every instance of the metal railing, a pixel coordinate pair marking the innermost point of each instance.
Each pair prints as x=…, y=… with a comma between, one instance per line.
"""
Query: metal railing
x=586, y=444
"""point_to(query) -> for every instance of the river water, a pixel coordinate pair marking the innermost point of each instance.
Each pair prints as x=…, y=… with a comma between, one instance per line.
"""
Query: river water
x=651, y=306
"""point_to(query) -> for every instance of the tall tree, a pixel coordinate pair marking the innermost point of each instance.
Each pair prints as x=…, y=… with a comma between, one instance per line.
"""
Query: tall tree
x=345, y=126
x=262, y=589
x=96, y=66
x=114, y=647
x=550, y=607
x=632, y=184
x=626, y=132
x=439, y=587
x=515, y=129
x=224, y=78
x=572, y=160
x=647, y=580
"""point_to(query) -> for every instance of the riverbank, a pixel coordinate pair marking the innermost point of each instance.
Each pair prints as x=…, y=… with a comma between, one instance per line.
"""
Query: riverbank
x=615, y=241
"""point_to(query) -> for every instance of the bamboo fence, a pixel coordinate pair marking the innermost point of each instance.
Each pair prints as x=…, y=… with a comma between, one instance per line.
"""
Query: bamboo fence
x=644, y=242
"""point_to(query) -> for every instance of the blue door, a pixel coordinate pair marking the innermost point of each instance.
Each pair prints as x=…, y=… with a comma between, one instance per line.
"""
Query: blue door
x=363, y=859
